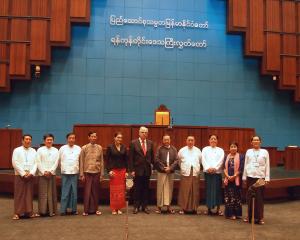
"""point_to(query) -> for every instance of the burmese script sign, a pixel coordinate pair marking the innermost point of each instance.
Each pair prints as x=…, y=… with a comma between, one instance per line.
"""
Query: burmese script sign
x=167, y=42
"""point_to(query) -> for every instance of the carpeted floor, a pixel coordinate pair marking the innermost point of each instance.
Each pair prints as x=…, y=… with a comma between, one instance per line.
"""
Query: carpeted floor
x=282, y=223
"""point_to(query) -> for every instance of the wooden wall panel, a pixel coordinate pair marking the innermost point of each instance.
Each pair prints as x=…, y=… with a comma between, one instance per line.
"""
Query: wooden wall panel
x=292, y=158
x=4, y=149
x=288, y=16
x=105, y=133
x=255, y=30
x=288, y=73
x=272, y=31
x=271, y=57
x=4, y=48
x=19, y=52
x=80, y=11
x=40, y=45
x=237, y=15
x=40, y=32
x=273, y=156
x=9, y=140
x=3, y=75
x=178, y=134
x=272, y=53
x=60, y=23
x=297, y=91
x=28, y=30
x=18, y=59
x=289, y=51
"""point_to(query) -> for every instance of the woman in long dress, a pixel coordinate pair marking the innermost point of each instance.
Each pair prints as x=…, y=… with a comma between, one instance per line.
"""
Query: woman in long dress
x=116, y=155
x=234, y=165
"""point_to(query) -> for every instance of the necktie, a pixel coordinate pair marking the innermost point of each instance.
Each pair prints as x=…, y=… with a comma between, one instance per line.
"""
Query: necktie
x=144, y=147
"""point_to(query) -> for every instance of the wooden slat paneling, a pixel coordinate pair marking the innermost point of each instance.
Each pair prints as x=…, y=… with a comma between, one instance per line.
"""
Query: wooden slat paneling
x=19, y=52
x=40, y=33
x=288, y=73
x=297, y=90
x=289, y=46
x=178, y=134
x=255, y=31
x=18, y=59
x=271, y=57
x=60, y=23
x=4, y=148
x=272, y=31
x=40, y=8
x=4, y=48
x=288, y=16
x=30, y=39
x=3, y=75
x=80, y=11
x=272, y=53
x=9, y=140
x=292, y=158
x=40, y=44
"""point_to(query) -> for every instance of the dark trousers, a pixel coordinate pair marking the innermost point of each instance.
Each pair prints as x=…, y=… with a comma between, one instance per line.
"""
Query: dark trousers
x=141, y=191
x=259, y=201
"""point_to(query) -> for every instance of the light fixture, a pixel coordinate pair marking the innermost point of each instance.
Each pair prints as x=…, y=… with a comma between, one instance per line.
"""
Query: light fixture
x=37, y=71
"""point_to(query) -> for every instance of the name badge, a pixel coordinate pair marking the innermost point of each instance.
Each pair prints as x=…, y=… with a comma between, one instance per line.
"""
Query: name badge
x=255, y=164
x=27, y=167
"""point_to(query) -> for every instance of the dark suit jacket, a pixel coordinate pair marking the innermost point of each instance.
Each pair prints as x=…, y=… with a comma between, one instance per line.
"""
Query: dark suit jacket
x=161, y=159
x=138, y=162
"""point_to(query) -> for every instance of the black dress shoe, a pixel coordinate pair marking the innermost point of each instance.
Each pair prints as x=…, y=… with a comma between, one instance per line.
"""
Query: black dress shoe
x=146, y=210
x=135, y=210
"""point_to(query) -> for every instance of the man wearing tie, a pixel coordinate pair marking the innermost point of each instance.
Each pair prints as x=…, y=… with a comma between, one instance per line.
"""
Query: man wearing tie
x=140, y=160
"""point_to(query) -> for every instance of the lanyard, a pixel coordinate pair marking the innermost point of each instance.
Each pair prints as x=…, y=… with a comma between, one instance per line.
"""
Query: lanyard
x=256, y=155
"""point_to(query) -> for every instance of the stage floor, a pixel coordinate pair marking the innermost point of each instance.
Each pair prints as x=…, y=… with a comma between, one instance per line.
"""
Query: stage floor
x=282, y=222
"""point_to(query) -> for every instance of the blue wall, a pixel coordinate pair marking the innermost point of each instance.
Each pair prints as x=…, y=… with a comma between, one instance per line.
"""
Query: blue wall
x=95, y=82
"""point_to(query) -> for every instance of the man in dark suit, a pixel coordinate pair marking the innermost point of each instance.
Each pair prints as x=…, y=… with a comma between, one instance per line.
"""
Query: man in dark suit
x=141, y=159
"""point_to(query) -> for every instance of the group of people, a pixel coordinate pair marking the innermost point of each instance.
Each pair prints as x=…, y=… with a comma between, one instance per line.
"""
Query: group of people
x=87, y=163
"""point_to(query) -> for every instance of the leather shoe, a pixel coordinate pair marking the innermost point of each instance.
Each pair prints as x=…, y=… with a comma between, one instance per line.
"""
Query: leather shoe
x=135, y=210
x=146, y=210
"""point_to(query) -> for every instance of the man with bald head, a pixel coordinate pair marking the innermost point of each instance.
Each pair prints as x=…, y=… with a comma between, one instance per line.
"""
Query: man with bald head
x=189, y=162
x=141, y=159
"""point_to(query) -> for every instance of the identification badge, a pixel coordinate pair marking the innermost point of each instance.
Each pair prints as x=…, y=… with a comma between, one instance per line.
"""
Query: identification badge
x=255, y=164
x=27, y=167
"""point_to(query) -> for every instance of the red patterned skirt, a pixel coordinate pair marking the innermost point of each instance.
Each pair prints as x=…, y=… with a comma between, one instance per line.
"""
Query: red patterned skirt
x=117, y=189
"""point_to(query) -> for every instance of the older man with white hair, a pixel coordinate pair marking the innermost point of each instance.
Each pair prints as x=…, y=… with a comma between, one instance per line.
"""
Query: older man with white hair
x=141, y=159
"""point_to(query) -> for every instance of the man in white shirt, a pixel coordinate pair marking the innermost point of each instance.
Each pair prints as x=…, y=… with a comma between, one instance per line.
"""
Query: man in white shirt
x=24, y=164
x=212, y=162
x=189, y=161
x=47, y=162
x=69, y=165
x=257, y=166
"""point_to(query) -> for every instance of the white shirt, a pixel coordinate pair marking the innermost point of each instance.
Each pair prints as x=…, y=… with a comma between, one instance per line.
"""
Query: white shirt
x=24, y=159
x=257, y=164
x=69, y=159
x=189, y=158
x=47, y=160
x=213, y=157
